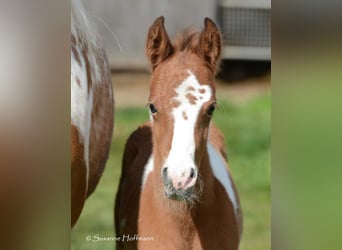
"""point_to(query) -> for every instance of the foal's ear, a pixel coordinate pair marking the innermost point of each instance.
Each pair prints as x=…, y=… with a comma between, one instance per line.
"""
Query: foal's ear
x=158, y=45
x=210, y=43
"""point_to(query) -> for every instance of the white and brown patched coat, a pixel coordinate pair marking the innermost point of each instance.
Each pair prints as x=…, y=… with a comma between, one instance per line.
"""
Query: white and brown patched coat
x=92, y=109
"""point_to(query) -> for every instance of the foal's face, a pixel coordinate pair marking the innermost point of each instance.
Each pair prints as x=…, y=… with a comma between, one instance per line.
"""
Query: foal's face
x=182, y=101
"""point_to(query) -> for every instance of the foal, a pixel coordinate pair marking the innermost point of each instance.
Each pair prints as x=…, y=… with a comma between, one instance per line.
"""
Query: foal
x=176, y=191
x=92, y=109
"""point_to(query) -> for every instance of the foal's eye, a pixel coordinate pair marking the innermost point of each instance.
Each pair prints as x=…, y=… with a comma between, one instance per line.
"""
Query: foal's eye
x=153, y=108
x=211, y=109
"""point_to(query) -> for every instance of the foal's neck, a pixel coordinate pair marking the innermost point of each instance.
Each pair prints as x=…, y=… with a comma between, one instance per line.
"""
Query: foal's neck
x=181, y=216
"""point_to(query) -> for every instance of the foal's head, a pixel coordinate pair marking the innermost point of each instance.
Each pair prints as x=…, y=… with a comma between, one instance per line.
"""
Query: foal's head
x=182, y=101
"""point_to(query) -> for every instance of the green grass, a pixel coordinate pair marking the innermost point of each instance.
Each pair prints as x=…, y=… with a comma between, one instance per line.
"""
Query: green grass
x=247, y=133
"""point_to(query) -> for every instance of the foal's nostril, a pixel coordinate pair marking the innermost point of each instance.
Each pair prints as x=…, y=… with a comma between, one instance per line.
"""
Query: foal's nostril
x=165, y=173
x=192, y=173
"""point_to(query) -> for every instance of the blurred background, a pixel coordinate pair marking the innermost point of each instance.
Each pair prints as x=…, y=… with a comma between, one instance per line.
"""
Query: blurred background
x=245, y=26
x=243, y=92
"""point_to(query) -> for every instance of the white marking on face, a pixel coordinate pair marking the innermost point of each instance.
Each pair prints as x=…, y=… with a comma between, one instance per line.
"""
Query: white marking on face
x=147, y=170
x=219, y=167
x=182, y=153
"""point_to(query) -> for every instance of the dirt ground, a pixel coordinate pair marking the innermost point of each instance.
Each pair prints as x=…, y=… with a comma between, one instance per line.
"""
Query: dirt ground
x=132, y=88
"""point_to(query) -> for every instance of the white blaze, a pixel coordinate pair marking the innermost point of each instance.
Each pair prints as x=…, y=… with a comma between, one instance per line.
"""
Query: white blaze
x=182, y=153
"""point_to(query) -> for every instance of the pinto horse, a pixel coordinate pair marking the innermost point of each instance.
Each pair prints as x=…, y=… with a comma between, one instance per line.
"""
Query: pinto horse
x=176, y=190
x=92, y=109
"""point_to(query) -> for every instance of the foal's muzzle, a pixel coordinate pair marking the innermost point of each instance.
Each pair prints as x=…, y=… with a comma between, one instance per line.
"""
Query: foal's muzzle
x=179, y=186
